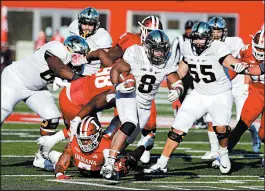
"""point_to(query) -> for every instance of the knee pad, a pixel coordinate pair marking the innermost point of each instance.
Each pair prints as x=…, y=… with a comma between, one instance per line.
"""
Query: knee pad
x=48, y=126
x=175, y=137
x=223, y=135
x=127, y=128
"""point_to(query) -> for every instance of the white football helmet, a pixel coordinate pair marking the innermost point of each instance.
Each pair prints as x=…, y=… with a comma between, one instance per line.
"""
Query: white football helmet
x=89, y=134
x=149, y=24
x=258, y=45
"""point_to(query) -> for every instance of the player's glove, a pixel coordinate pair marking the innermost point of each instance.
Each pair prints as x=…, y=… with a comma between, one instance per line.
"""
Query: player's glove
x=73, y=126
x=58, y=83
x=173, y=95
x=61, y=176
x=239, y=68
x=78, y=59
x=120, y=87
x=176, y=91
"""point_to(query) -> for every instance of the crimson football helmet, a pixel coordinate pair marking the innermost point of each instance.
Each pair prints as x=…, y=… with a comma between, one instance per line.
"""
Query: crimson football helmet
x=89, y=134
x=258, y=45
x=149, y=24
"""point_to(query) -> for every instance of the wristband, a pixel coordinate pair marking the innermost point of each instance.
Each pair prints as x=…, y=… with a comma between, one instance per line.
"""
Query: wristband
x=75, y=76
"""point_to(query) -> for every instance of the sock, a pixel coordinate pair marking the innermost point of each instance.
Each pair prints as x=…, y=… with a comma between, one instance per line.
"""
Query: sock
x=163, y=160
x=65, y=132
x=236, y=134
x=214, y=143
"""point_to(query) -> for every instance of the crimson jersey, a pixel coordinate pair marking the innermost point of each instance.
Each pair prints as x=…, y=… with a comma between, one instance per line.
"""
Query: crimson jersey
x=91, y=161
x=128, y=39
x=247, y=56
x=82, y=90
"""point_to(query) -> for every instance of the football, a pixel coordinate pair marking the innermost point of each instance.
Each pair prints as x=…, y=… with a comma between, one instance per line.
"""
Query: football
x=127, y=76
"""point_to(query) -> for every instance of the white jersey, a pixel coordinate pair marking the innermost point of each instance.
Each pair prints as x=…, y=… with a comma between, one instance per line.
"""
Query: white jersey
x=208, y=74
x=148, y=77
x=34, y=70
x=100, y=40
x=236, y=44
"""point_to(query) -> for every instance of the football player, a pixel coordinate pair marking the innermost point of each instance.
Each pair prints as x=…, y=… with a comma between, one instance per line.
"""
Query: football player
x=254, y=105
x=73, y=98
x=88, y=26
x=239, y=87
x=204, y=58
x=149, y=64
x=27, y=80
x=89, y=149
x=128, y=39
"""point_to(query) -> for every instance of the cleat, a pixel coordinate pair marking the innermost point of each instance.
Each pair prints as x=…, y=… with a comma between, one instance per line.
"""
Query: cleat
x=256, y=143
x=48, y=165
x=262, y=162
x=39, y=161
x=225, y=164
x=210, y=155
x=156, y=168
x=45, y=144
x=146, y=156
x=124, y=165
x=216, y=163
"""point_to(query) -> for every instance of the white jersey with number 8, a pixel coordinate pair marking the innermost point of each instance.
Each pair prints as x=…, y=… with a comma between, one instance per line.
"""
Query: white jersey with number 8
x=148, y=77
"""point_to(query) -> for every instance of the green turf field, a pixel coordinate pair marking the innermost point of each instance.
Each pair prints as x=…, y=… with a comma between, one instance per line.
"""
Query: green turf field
x=186, y=170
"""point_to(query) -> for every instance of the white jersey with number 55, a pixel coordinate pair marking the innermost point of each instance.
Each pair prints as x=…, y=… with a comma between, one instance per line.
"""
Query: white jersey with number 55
x=206, y=70
x=34, y=70
x=148, y=77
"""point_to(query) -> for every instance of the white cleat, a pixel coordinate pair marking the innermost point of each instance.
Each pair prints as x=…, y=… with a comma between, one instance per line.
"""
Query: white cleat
x=45, y=144
x=156, y=168
x=107, y=171
x=210, y=155
x=39, y=160
x=148, y=143
x=216, y=163
x=225, y=164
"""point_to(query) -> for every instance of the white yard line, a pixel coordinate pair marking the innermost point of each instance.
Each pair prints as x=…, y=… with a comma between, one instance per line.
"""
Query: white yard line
x=186, y=187
x=94, y=184
x=249, y=156
x=114, y=181
x=26, y=175
x=252, y=187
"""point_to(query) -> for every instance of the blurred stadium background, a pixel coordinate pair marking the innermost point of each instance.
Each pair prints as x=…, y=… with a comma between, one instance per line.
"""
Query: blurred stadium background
x=22, y=21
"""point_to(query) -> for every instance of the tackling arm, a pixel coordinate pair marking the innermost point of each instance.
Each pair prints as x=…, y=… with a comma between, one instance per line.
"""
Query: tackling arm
x=60, y=69
x=63, y=162
x=115, y=53
x=102, y=55
x=97, y=103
